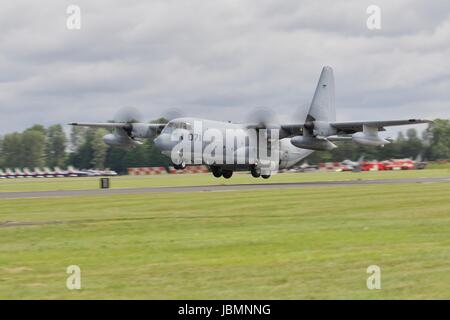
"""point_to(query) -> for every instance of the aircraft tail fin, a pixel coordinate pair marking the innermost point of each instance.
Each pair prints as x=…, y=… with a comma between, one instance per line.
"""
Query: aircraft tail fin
x=322, y=106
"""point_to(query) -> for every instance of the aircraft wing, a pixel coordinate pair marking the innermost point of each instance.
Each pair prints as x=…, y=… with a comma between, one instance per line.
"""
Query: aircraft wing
x=352, y=127
x=106, y=125
x=112, y=125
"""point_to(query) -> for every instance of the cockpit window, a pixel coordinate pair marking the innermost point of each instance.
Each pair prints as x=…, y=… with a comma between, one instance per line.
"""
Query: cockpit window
x=171, y=126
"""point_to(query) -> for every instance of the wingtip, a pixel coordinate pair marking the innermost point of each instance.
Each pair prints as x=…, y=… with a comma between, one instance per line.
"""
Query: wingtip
x=420, y=121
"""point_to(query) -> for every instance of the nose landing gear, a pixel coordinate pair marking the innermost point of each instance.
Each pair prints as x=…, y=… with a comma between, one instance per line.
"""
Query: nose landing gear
x=180, y=166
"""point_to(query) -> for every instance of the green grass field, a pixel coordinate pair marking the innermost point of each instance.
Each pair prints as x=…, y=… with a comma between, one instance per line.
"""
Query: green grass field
x=12, y=185
x=308, y=243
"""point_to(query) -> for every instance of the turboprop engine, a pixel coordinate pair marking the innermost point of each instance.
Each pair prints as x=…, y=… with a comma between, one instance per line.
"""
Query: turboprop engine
x=125, y=137
x=128, y=129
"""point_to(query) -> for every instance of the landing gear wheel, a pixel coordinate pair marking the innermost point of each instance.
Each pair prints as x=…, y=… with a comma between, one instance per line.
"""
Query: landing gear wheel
x=227, y=174
x=216, y=171
x=180, y=166
x=265, y=176
x=256, y=173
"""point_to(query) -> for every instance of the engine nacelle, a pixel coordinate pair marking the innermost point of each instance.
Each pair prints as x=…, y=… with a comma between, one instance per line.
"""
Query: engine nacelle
x=312, y=143
x=120, y=141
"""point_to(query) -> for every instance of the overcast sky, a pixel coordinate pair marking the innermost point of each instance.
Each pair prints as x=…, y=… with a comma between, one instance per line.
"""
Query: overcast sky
x=220, y=59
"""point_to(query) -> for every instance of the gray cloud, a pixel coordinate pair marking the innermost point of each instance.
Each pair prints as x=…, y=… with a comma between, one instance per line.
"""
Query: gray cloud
x=220, y=59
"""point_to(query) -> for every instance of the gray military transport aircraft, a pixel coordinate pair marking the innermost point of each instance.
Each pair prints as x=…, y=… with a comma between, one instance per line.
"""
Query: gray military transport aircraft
x=287, y=143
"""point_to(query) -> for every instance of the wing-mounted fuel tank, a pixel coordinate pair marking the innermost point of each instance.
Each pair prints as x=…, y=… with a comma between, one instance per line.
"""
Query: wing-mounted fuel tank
x=369, y=137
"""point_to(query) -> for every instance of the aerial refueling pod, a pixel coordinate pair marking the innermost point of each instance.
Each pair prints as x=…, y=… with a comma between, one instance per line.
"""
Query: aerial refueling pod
x=312, y=143
x=369, y=137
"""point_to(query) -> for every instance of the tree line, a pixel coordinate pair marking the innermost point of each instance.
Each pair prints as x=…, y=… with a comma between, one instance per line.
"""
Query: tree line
x=84, y=148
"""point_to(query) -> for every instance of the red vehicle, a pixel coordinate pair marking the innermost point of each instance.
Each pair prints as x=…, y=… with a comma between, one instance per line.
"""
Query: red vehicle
x=399, y=164
x=372, y=166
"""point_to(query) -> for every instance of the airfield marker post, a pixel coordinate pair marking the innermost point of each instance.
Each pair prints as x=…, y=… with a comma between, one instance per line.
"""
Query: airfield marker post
x=104, y=183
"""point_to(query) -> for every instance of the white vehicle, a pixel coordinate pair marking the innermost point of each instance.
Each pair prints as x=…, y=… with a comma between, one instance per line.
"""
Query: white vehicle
x=108, y=172
x=92, y=173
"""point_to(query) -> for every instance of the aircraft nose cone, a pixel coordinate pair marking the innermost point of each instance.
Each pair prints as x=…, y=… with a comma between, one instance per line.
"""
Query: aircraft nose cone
x=157, y=141
x=161, y=142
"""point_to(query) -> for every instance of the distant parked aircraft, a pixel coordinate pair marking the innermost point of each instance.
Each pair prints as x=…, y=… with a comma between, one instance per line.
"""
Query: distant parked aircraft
x=49, y=173
x=349, y=165
x=28, y=173
x=19, y=173
x=39, y=173
x=9, y=173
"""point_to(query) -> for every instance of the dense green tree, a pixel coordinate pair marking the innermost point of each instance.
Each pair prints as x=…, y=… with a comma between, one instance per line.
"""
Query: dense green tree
x=56, y=146
x=99, y=148
x=32, y=148
x=38, y=127
x=439, y=135
x=77, y=137
x=92, y=153
x=2, y=160
x=12, y=150
x=414, y=146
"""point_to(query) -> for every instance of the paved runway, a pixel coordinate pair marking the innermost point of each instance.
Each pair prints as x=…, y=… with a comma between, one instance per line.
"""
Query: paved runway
x=230, y=187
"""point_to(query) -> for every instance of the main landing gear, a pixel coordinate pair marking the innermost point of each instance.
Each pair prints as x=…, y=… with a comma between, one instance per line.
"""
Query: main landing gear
x=256, y=173
x=227, y=173
x=216, y=171
x=219, y=172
